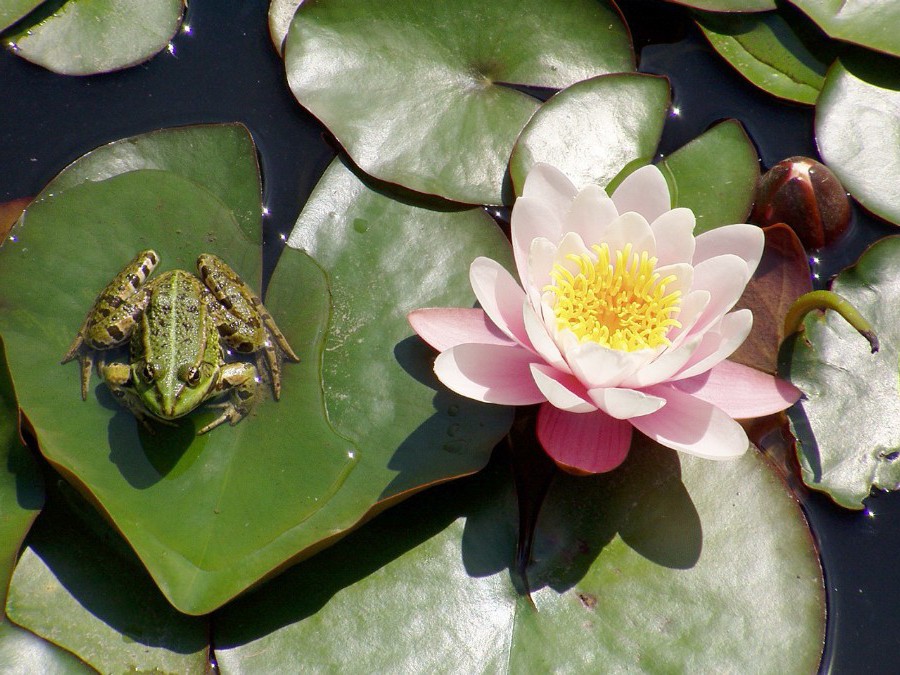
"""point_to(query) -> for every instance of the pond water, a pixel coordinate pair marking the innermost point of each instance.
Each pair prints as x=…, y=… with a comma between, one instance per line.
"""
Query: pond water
x=224, y=69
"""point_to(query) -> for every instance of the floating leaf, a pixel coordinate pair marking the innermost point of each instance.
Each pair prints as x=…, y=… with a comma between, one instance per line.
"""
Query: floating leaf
x=766, y=50
x=630, y=568
x=593, y=128
x=85, y=37
x=21, y=485
x=13, y=10
x=782, y=276
x=79, y=586
x=858, y=133
x=728, y=5
x=380, y=390
x=281, y=12
x=848, y=423
x=210, y=515
x=714, y=175
x=416, y=92
x=870, y=23
x=22, y=651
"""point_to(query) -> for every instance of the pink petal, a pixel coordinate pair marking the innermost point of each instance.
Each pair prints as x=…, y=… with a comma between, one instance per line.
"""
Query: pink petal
x=741, y=391
x=624, y=404
x=725, y=278
x=446, y=327
x=674, y=232
x=744, y=241
x=583, y=443
x=548, y=184
x=531, y=219
x=562, y=390
x=500, y=297
x=489, y=373
x=591, y=212
x=645, y=191
x=693, y=426
x=718, y=344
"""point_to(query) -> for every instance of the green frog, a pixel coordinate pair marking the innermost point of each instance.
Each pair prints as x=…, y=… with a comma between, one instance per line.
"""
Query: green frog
x=175, y=326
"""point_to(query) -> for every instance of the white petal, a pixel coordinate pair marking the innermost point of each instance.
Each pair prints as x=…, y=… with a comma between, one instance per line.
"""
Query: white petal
x=489, y=373
x=562, y=391
x=530, y=219
x=722, y=341
x=598, y=366
x=629, y=228
x=500, y=297
x=540, y=339
x=624, y=404
x=645, y=191
x=725, y=277
x=591, y=212
x=744, y=241
x=549, y=185
x=674, y=232
x=541, y=259
x=665, y=365
x=690, y=425
x=692, y=308
x=684, y=277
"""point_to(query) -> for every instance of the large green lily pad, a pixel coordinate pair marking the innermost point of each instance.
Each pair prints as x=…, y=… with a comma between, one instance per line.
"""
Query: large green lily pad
x=848, y=423
x=737, y=6
x=13, y=10
x=670, y=563
x=766, y=50
x=385, y=258
x=210, y=515
x=592, y=129
x=22, y=651
x=714, y=175
x=870, y=23
x=416, y=92
x=85, y=37
x=858, y=133
x=79, y=586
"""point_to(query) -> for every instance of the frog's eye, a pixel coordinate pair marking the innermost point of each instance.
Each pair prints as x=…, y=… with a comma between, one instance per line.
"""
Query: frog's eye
x=193, y=376
x=148, y=372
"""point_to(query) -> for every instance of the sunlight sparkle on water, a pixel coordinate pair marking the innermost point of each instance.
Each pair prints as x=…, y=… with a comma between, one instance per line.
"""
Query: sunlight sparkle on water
x=265, y=211
x=171, y=48
x=675, y=111
x=186, y=28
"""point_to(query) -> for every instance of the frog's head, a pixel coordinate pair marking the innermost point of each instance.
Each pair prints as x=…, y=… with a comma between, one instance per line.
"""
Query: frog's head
x=169, y=392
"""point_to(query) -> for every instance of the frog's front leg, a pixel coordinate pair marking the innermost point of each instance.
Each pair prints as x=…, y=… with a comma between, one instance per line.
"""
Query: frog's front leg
x=111, y=319
x=241, y=381
x=118, y=378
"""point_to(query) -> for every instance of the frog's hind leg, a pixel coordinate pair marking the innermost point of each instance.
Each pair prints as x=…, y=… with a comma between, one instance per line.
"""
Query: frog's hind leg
x=243, y=321
x=240, y=380
x=111, y=319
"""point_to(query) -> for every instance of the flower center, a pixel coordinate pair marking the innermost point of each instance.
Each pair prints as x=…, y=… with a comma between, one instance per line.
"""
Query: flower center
x=621, y=304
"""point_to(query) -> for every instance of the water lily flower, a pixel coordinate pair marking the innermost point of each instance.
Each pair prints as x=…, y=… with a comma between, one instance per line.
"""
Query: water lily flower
x=622, y=320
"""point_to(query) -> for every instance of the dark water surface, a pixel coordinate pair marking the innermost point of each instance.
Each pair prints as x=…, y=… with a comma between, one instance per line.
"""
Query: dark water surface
x=225, y=70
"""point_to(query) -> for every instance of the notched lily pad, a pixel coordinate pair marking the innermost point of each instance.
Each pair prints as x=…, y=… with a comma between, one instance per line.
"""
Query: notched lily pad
x=593, y=128
x=86, y=37
x=870, y=23
x=629, y=567
x=432, y=111
x=848, y=422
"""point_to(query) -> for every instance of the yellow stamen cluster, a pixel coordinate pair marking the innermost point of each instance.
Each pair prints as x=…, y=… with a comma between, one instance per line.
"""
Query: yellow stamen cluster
x=622, y=304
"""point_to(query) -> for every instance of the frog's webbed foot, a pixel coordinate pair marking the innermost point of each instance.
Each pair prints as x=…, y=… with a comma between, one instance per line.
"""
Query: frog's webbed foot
x=239, y=380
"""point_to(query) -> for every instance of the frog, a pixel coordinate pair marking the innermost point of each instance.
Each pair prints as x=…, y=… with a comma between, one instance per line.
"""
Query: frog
x=176, y=327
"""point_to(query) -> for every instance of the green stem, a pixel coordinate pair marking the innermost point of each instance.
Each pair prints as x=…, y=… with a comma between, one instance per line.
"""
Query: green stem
x=822, y=300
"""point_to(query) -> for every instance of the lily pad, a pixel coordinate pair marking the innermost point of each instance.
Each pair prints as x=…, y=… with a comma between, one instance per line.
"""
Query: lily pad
x=417, y=92
x=80, y=587
x=21, y=485
x=858, y=133
x=13, y=10
x=85, y=37
x=22, y=651
x=593, y=128
x=766, y=50
x=281, y=12
x=210, y=515
x=728, y=5
x=630, y=568
x=379, y=387
x=848, y=423
x=870, y=23
x=714, y=175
